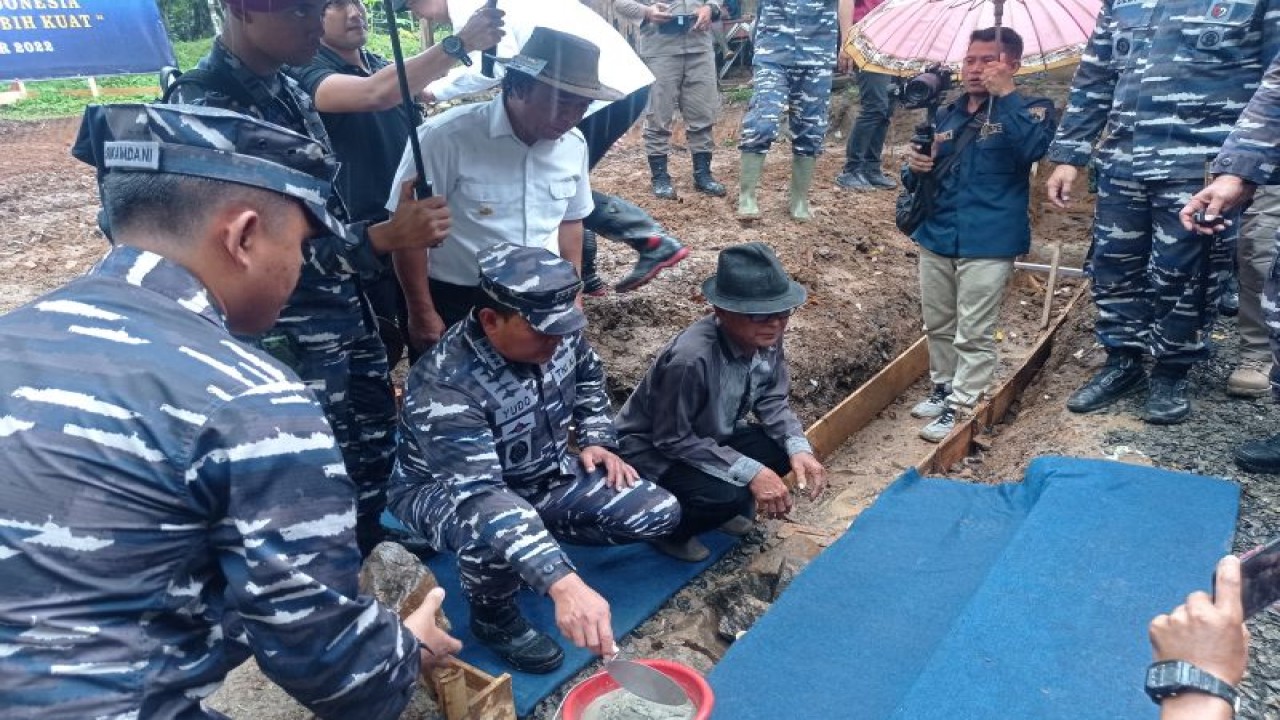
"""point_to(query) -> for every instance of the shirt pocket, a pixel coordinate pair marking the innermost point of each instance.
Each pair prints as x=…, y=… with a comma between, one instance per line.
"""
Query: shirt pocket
x=553, y=198
x=995, y=155
x=485, y=202
x=1218, y=40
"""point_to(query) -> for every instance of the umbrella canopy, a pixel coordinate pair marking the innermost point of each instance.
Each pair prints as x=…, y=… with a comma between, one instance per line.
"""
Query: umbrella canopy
x=903, y=37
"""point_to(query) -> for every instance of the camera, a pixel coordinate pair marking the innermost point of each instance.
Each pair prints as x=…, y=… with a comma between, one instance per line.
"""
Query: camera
x=926, y=89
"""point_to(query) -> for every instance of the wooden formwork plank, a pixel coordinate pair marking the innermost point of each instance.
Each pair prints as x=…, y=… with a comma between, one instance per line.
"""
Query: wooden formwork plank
x=860, y=408
x=956, y=446
x=465, y=692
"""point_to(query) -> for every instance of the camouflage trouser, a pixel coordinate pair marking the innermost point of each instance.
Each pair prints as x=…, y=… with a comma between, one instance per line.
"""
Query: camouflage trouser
x=1255, y=254
x=343, y=361
x=1155, y=284
x=686, y=82
x=582, y=510
x=803, y=92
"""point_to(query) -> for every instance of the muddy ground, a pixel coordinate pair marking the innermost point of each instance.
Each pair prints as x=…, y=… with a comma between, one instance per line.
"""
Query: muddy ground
x=863, y=311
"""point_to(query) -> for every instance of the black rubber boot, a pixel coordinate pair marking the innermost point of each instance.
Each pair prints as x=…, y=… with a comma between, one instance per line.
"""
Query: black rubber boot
x=623, y=221
x=1167, y=402
x=504, y=631
x=703, y=180
x=656, y=254
x=1260, y=456
x=1122, y=375
x=661, y=178
x=591, y=283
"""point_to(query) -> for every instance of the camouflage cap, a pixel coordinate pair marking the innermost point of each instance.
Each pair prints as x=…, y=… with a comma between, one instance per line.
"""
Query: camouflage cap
x=535, y=283
x=210, y=143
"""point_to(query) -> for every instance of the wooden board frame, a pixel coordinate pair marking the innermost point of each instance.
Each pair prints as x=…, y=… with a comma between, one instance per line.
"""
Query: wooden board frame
x=959, y=443
x=465, y=692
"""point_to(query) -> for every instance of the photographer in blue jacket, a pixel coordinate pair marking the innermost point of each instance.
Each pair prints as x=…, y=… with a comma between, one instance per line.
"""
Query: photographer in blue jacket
x=978, y=223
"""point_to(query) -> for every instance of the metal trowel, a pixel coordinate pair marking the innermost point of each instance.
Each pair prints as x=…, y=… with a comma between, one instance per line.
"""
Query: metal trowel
x=643, y=681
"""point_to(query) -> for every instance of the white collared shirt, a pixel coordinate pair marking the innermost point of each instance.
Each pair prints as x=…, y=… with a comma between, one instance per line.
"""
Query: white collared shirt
x=499, y=189
x=619, y=68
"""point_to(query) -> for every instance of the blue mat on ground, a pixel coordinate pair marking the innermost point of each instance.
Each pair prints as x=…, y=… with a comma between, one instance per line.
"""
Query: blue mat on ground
x=635, y=579
x=955, y=600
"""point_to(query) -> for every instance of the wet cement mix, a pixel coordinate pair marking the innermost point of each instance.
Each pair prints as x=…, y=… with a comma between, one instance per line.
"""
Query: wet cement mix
x=863, y=311
x=622, y=705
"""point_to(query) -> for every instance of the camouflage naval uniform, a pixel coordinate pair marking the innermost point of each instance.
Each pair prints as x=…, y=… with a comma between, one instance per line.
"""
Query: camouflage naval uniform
x=172, y=497
x=327, y=332
x=483, y=466
x=1252, y=152
x=794, y=53
x=1166, y=80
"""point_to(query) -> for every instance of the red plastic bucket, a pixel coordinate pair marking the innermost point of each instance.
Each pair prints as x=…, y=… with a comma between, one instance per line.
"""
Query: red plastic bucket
x=587, y=691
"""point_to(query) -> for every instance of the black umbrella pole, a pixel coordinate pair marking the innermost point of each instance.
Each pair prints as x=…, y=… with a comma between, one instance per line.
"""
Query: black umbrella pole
x=421, y=187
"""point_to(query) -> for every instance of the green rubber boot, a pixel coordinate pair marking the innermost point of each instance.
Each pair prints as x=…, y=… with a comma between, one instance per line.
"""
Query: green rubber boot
x=748, y=183
x=801, y=179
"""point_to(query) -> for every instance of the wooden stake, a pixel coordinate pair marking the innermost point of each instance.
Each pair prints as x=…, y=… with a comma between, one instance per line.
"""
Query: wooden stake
x=1048, y=288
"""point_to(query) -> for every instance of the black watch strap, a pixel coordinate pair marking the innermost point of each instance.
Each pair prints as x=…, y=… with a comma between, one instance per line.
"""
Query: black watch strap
x=453, y=47
x=1176, y=677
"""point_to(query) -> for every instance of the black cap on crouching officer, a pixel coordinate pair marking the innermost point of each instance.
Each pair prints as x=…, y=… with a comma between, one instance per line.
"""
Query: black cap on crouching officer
x=542, y=288
x=210, y=143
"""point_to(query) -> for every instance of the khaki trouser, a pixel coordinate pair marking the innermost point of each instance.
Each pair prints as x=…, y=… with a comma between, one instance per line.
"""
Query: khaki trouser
x=1255, y=252
x=686, y=82
x=960, y=299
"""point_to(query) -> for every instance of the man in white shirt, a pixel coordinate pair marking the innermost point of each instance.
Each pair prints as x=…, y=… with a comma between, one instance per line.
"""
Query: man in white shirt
x=620, y=68
x=513, y=170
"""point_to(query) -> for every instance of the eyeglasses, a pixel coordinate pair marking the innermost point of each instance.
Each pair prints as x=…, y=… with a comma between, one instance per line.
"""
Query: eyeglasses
x=762, y=318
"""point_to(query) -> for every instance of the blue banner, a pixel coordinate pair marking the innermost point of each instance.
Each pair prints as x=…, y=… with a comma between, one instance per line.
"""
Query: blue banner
x=67, y=38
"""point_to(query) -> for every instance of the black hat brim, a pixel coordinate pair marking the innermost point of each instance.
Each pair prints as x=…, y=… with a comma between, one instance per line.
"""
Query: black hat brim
x=794, y=297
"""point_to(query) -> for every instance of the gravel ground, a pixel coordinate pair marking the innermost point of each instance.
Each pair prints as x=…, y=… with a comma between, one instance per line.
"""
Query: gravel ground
x=1205, y=445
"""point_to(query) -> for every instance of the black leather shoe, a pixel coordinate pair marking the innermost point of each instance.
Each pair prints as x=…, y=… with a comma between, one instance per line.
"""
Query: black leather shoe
x=1121, y=376
x=1167, y=402
x=878, y=179
x=1260, y=456
x=519, y=643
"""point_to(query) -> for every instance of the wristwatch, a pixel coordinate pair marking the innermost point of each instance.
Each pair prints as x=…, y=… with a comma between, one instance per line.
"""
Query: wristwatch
x=453, y=47
x=1175, y=677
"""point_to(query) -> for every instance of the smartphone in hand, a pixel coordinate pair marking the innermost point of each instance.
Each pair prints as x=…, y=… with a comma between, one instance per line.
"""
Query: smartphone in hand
x=1260, y=577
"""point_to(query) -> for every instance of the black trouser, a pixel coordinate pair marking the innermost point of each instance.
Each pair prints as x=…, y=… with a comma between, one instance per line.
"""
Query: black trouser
x=603, y=127
x=706, y=501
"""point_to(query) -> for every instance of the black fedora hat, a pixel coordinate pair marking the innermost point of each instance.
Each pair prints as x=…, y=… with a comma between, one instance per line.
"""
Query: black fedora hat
x=750, y=279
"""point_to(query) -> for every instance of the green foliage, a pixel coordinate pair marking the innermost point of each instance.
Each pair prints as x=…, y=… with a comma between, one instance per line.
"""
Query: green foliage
x=69, y=96
x=186, y=19
x=61, y=98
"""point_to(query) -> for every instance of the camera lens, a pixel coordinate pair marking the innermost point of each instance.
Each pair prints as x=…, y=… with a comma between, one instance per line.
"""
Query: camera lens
x=921, y=89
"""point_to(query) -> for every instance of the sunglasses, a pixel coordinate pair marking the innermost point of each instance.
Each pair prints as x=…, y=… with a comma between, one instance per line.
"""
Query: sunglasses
x=762, y=318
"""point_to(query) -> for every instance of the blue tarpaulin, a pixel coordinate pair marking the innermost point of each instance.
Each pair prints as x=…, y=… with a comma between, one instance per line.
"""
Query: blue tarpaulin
x=955, y=600
x=69, y=38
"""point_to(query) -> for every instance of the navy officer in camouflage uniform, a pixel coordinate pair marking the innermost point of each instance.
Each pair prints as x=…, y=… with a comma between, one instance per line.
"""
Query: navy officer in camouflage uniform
x=328, y=332
x=794, y=54
x=1166, y=80
x=483, y=467
x=172, y=499
x=1249, y=158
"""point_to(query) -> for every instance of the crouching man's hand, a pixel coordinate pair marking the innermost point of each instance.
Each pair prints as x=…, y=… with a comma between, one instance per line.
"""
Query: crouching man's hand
x=582, y=614
x=618, y=474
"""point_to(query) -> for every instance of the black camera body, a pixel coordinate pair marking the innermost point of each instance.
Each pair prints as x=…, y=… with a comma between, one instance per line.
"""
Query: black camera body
x=927, y=89
x=677, y=25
